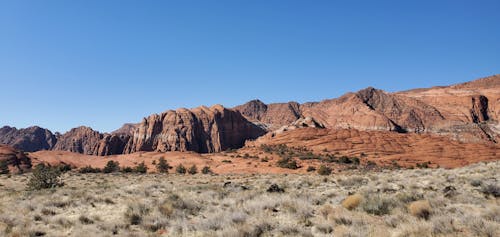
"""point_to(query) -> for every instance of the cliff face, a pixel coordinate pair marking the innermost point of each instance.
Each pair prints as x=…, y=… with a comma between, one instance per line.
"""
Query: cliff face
x=87, y=141
x=27, y=139
x=479, y=110
x=202, y=130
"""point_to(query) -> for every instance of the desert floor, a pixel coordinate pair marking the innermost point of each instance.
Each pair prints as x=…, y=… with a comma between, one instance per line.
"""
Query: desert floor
x=398, y=202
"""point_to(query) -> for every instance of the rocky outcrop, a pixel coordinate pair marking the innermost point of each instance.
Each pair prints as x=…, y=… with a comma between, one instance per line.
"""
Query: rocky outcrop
x=16, y=160
x=112, y=144
x=479, y=110
x=202, y=130
x=27, y=139
x=273, y=116
x=127, y=129
x=407, y=113
x=87, y=141
x=307, y=122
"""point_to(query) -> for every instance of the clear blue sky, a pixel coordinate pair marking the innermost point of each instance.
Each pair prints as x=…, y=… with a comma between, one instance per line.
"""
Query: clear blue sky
x=103, y=63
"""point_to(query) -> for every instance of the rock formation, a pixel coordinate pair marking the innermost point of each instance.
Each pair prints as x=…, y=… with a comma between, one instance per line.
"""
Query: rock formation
x=16, y=160
x=87, y=141
x=272, y=116
x=127, y=129
x=202, y=130
x=307, y=122
x=27, y=139
x=479, y=110
x=468, y=112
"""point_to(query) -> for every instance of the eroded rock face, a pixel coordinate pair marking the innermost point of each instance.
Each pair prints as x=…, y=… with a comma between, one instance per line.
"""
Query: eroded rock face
x=479, y=110
x=27, y=139
x=16, y=160
x=87, y=141
x=273, y=116
x=202, y=130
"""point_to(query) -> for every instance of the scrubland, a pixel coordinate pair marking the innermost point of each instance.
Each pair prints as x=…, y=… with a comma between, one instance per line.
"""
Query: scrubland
x=392, y=202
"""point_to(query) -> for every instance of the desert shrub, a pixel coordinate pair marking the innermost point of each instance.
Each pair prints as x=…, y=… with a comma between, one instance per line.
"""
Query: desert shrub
x=4, y=167
x=274, y=188
x=180, y=169
x=135, y=213
x=174, y=203
x=288, y=163
x=226, y=161
x=64, y=167
x=193, y=169
x=311, y=169
x=265, y=159
x=111, y=166
x=329, y=158
x=127, y=169
x=345, y=160
x=355, y=160
x=89, y=169
x=491, y=189
x=353, y=181
x=162, y=166
x=377, y=205
x=206, y=170
x=324, y=170
x=309, y=156
x=352, y=201
x=420, y=209
x=423, y=165
x=371, y=164
x=476, y=182
x=409, y=196
x=141, y=168
x=85, y=220
x=44, y=177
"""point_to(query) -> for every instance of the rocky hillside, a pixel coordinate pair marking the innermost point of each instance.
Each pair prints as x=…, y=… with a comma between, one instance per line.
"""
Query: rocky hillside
x=273, y=116
x=27, y=139
x=16, y=160
x=201, y=129
x=466, y=112
x=87, y=141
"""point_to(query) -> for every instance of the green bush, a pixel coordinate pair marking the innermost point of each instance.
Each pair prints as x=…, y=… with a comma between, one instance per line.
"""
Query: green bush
x=44, y=176
x=206, y=170
x=89, y=169
x=180, y=169
x=288, y=163
x=162, y=166
x=311, y=169
x=193, y=170
x=324, y=170
x=111, y=166
x=127, y=169
x=64, y=167
x=141, y=168
x=4, y=167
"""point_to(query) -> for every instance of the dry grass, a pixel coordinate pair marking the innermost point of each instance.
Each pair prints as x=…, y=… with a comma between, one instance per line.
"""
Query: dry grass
x=352, y=201
x=421, y=209
x=387, y=203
